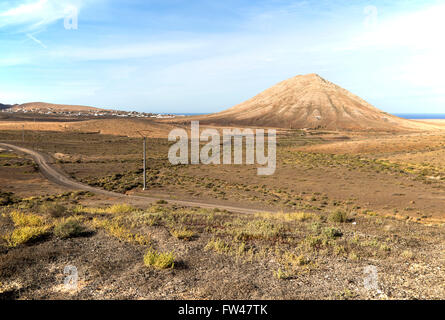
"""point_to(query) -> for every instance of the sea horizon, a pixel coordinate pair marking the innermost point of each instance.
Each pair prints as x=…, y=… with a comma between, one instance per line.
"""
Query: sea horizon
x=412, y=116
x=417, y=116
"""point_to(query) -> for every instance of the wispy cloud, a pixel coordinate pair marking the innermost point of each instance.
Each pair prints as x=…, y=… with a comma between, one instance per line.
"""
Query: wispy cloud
x=204, y=55
x=418, y=29
x=30, y=36
x=126, y=51
x=31, y=15
x=14, y=61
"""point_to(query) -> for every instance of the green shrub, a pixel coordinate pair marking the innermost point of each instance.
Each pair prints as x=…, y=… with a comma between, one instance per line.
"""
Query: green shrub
x=159, y=260
x=69, y=228
x=332, y=233
x=281, y=275
x=6, y=198
x=218, y=246
x=182, y=234
x=339, y=216
x=55, y=210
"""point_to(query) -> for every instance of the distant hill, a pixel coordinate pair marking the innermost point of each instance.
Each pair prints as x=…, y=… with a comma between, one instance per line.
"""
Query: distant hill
x=43, y=106
x=309, y=101
x=120, y=127
x=5, y=106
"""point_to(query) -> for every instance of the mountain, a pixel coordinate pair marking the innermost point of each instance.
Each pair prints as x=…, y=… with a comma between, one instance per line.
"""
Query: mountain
x=309, y=101
x=5, y=106
x=43, y=106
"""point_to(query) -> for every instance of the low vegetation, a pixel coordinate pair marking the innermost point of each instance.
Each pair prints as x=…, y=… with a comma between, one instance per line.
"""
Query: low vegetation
x=116, y=228
x=159, y=260
x=21, y=219
x=25, y=234
x=119, y=208
x=54, y=209
x=183, y=234
x=27, y=228
x=284, y=246
x=339, y=216
x=69, y=228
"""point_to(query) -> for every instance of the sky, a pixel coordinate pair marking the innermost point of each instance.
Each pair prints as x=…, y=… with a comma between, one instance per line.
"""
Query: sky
x=199, y=56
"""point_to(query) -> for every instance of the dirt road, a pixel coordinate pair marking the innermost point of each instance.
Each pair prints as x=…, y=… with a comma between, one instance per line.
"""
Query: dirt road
x=55, y=175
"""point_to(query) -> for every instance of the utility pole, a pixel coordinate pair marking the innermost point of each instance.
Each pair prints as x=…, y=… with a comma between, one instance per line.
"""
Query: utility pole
x=23, y=133
x=144, y=137
x=145, y=163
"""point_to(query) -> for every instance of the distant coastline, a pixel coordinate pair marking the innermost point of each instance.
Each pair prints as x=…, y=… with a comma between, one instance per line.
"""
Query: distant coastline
x=419, y=116
x=411, y=116
x=187, y=114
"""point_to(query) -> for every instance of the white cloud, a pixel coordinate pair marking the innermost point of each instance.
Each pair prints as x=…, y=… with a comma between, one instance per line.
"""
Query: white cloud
x=420, y=34
x=34, y=14
x=406, y=51
x=14, y=61
x=419, y=29
x=126, y=51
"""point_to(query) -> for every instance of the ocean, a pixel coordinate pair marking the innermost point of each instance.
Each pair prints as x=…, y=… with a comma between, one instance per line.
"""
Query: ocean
x=185, y=114
x=401, y=115
x=418, y=116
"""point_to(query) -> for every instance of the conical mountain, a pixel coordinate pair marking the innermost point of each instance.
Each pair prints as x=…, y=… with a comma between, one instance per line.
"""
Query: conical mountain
x=309, y=101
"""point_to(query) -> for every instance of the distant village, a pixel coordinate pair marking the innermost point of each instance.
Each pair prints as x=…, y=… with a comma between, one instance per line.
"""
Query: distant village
x=87, y=113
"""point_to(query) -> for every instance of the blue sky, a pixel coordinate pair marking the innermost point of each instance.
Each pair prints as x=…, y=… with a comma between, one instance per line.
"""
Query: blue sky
x=205, y=56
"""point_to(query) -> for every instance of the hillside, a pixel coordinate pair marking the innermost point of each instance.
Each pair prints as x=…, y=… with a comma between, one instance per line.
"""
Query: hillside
x=5, y=106
x=309, y=101
x=120, y=127
x=43, y=106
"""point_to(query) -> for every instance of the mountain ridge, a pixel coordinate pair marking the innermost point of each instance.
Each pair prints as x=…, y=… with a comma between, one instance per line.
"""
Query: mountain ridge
x=312, y=102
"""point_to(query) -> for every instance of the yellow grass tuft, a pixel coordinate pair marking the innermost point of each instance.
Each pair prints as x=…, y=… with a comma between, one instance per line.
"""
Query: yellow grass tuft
x=218, y=246
x=114, y=209
x=21, y=219
x=288, y=216
x=159, y=260
x=24, y=235
x=182, y=234
x=119, y=231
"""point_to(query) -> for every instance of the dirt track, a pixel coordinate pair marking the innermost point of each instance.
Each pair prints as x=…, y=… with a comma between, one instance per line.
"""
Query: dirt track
x=57, y=176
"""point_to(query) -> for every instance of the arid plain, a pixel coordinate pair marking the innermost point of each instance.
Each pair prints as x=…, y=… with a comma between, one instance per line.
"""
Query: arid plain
x=339, y=201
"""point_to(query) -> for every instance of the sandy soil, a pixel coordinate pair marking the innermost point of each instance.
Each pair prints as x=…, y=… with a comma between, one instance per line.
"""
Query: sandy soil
x=390, y=185
x=120, y=127
x=309, y=101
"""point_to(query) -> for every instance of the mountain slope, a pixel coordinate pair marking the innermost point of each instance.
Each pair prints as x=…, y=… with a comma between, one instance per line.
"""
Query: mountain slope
x=43, y=106
x=5, y=106
x=309, y=101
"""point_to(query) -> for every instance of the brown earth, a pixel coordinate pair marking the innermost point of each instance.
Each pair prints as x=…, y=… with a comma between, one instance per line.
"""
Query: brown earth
x=291, y=265
x=118, y=127
x=313, y=171
x=310, y=101
x=391, y=185
x=43, y=106
x=395, y=221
